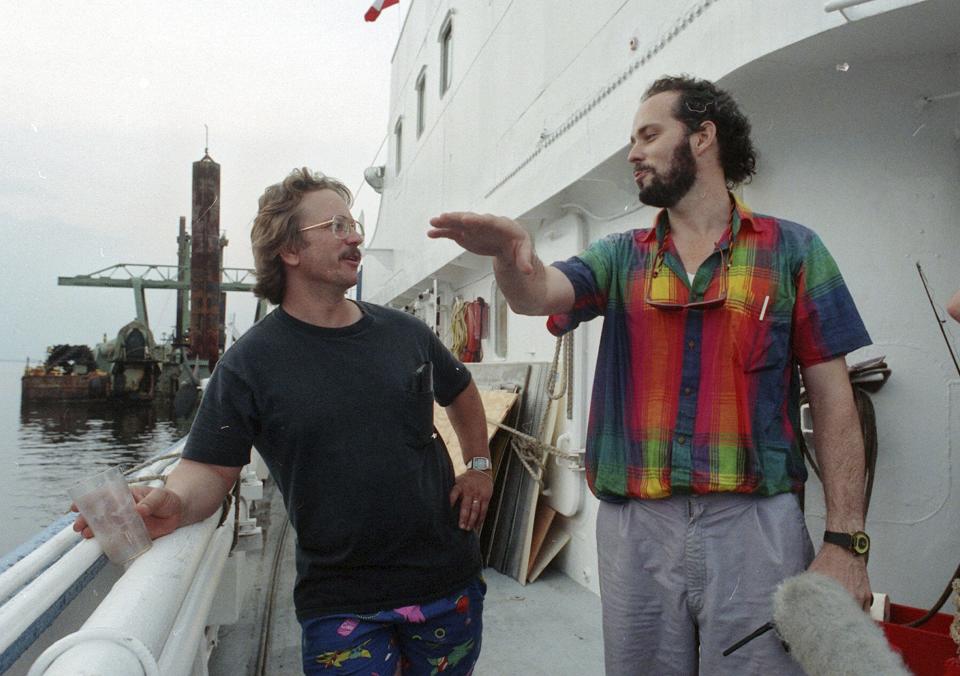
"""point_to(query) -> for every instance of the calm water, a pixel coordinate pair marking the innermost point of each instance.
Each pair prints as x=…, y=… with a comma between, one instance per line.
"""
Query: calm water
x=45, y=447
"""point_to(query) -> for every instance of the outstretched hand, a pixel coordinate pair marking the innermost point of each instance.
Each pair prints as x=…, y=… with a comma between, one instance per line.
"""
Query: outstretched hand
x=486, y=235
x=160, y=509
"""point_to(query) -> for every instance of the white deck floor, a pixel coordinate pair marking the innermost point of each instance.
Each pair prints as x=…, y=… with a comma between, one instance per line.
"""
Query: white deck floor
x=550, y=627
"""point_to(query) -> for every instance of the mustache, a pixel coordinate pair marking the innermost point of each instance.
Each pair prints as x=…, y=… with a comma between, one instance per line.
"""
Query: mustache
x=352, y=252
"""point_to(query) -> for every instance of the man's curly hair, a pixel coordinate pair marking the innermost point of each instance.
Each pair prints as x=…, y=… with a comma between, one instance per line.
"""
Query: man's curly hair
x=277, y=227
x=701, y=100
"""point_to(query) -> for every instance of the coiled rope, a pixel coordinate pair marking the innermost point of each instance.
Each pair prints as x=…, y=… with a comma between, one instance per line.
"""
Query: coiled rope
x=458, y=327
x=533, y=451
x=564, y=342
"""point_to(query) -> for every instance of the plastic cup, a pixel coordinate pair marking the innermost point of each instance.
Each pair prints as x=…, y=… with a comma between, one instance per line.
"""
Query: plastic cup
x=106, y=503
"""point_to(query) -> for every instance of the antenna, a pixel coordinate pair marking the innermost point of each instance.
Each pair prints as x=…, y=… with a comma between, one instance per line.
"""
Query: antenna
x=206, y=141
x=940, y=322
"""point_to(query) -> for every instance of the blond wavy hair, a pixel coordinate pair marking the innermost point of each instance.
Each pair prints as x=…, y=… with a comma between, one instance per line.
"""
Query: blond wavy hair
x=277, y=227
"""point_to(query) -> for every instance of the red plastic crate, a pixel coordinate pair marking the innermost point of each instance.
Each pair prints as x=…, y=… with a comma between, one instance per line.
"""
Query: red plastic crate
x=926, y=648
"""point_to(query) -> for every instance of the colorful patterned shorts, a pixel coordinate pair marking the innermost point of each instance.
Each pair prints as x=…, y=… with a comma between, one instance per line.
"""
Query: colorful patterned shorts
x=440, y=637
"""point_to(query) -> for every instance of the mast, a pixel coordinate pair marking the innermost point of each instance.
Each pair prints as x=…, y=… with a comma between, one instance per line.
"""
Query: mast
x=205, y=262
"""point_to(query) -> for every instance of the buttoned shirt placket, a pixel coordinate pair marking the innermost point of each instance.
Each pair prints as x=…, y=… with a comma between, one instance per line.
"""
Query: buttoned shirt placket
x=681, y=455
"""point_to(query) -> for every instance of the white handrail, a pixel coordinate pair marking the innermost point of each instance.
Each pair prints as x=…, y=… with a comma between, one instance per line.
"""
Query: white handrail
x=14, y=578
x=179, y=652
x=143, y=604
x=20, y=612
x=36, y=588
x=152, y=620
x=128, y=656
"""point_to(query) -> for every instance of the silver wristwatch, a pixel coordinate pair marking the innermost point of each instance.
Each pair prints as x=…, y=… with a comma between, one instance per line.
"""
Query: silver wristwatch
x=479, y=463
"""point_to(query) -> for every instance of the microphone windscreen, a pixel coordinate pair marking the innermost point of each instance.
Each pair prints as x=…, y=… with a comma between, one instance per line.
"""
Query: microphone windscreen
x=828, y=633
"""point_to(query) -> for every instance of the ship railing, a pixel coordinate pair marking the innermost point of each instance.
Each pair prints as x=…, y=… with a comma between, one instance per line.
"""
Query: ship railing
x=159, y=616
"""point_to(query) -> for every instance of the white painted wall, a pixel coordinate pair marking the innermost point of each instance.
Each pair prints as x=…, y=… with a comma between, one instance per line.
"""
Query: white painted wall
x=846, y=152
x=521, y=73
x=852, y=156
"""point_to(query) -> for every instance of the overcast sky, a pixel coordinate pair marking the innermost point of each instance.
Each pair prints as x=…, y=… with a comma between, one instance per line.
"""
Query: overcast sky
x=102, y=113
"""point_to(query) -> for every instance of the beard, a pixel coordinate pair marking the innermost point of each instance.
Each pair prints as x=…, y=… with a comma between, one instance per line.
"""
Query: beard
x=665, y=192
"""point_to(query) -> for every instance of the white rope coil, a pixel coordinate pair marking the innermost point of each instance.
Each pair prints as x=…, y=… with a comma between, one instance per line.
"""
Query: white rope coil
x=533, y=451
x=458, y=328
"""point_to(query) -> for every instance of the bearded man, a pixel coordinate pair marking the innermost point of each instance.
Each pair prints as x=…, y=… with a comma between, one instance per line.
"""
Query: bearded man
x=710, y=317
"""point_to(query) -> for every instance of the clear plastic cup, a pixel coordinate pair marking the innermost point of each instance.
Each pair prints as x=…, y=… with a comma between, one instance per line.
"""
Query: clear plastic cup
x=106, y=503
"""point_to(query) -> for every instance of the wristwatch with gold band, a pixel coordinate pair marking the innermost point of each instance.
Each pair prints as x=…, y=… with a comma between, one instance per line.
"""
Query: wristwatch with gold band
x=857, y=542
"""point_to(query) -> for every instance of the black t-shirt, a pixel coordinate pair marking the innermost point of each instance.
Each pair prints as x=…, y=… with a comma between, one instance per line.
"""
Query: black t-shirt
x=345, y=424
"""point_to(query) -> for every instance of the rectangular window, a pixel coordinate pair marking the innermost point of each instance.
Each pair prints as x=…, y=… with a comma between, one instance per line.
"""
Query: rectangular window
x=446, y=55
x=421, y=101
x=398, y=141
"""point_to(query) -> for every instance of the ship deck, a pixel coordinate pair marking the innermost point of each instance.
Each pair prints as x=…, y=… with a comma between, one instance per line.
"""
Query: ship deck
x=551, y=626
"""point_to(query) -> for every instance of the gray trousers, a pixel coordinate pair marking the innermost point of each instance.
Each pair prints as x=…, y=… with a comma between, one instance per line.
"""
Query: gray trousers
x=685, y=577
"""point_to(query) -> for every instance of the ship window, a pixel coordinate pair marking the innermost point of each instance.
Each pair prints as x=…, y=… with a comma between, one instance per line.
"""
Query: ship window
x=446, y=53
x=500, y=311
x=421, y=100
x=398, y=143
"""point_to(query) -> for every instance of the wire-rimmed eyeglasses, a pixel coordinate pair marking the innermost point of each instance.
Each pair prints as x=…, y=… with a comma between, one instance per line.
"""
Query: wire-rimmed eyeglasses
x=668, y=304
x=341, y=226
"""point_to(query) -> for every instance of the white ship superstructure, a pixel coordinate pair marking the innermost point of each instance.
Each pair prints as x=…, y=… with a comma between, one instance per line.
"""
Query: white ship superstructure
x=524, y=109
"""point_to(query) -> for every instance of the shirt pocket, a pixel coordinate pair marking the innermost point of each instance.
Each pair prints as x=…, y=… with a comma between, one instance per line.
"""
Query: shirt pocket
x=763, y=344
x=418, y=418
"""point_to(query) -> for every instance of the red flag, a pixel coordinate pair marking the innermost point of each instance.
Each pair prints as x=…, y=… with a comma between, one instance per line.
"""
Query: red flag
x=377, y=7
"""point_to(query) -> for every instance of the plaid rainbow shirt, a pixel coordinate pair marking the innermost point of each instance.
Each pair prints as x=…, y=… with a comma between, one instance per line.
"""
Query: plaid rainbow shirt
x=705, y=399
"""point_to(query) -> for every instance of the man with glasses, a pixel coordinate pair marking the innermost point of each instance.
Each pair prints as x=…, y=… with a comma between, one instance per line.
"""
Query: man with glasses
x=693, y=445
x=337, y=396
